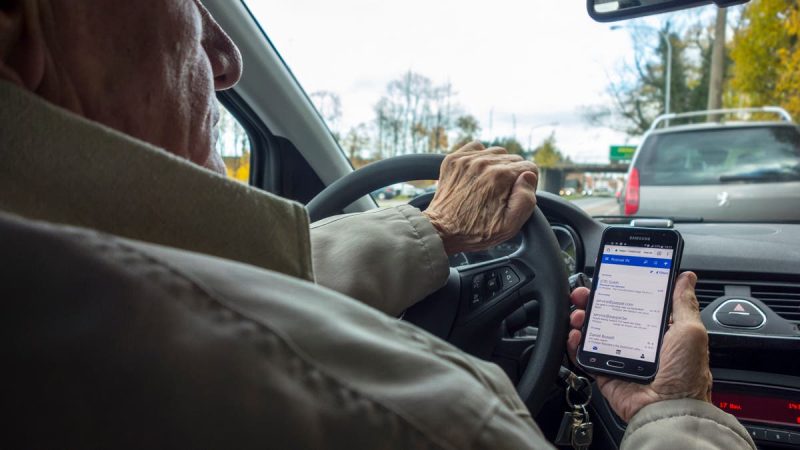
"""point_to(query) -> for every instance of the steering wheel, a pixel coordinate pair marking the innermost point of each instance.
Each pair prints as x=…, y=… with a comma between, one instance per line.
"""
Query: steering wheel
x=469, y=310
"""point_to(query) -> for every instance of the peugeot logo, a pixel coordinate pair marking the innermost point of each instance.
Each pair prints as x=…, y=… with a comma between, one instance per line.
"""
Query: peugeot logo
x=722, y=198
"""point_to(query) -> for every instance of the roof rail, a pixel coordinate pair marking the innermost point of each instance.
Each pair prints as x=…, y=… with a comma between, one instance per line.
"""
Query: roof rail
x=665, y=118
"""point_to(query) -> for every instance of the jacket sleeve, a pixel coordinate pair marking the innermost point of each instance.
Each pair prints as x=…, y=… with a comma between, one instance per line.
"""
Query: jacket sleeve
x=685, y=423
x=387, y=258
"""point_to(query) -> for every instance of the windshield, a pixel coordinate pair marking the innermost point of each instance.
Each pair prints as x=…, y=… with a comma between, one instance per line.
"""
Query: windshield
x=546, y=82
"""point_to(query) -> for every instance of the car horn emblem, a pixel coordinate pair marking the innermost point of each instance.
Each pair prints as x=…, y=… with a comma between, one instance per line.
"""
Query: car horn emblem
x=722, y=198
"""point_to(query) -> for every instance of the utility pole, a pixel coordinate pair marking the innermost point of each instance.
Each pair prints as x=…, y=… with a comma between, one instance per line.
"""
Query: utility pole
x=717, y=62
x=668, y=80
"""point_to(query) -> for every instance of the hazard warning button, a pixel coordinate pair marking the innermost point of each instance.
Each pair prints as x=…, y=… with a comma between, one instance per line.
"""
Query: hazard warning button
x=739, y=313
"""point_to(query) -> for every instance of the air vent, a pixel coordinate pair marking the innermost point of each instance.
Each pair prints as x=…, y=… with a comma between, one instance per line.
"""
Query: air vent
x=783, y=298
x=708, y=291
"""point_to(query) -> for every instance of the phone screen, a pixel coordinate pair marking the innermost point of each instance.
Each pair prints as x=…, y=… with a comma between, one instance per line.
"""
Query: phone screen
x=628, y=304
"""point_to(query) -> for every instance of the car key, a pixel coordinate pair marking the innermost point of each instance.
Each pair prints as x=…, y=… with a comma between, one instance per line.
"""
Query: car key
x=576, y=429
x=564, y=435
x=582, y=433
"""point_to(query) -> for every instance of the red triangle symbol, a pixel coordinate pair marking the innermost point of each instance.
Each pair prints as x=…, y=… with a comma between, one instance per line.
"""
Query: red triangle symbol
x=739, y=308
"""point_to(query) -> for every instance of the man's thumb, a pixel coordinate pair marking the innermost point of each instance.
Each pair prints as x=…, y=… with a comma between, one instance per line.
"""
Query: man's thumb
x=685, y=307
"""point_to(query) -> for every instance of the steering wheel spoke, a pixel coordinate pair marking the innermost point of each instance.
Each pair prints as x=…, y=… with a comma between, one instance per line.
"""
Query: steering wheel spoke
x=492, y=289
x=489, y=293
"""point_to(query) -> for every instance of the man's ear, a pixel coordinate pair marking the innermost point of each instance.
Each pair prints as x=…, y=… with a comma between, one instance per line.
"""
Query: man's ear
x=22, y=44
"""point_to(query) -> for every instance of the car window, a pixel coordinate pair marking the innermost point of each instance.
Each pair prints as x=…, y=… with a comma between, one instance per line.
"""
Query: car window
x=233, y=145
x=719, y=156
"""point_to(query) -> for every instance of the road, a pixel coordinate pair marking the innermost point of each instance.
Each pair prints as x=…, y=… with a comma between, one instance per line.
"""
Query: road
x=598, y=206
x=594, y=206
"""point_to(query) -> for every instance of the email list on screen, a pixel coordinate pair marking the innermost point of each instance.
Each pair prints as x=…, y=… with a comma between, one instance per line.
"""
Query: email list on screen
x=628, y=303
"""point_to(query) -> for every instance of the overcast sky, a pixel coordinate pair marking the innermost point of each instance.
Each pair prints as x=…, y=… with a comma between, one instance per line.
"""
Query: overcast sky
x=540, y=60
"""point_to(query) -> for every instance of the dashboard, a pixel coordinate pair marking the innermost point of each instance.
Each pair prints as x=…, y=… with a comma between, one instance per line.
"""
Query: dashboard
x=756, y=363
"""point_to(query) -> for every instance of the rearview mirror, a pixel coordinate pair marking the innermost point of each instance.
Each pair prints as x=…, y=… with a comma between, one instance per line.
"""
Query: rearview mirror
x=613, y=10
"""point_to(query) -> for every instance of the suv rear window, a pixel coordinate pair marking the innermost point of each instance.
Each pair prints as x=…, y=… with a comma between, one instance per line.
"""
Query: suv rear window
x=732, y=155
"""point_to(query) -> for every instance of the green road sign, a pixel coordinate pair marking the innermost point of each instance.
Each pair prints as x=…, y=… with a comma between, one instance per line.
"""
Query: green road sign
x=621, y=153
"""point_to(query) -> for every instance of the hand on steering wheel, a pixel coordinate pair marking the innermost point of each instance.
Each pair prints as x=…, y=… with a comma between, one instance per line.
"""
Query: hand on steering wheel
x=483, y=199
x=468, y=317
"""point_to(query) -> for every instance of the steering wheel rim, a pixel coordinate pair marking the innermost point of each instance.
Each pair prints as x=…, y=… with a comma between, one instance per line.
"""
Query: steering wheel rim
x=537, y=265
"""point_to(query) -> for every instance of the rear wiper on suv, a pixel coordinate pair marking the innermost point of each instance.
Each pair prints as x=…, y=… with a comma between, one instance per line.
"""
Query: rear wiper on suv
x=762, y=176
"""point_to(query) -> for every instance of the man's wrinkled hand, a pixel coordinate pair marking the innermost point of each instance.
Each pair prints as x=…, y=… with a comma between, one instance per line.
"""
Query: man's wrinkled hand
x=484, y=197
x=683, y=370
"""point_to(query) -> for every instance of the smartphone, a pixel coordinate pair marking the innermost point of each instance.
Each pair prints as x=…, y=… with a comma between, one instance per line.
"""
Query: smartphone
x=630, y=302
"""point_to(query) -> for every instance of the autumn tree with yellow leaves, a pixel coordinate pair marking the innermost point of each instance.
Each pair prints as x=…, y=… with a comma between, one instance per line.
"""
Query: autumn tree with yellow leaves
x=788, y=86
x=766, y=57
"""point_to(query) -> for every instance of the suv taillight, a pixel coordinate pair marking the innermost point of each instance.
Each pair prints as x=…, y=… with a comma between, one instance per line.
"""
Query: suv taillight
x=632, y=193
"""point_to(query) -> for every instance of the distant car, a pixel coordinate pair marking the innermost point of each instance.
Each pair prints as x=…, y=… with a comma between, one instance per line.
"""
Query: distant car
x=386, y=193
x=602, y=191
x=567, y=191
x=717, y=171
x=406, y=190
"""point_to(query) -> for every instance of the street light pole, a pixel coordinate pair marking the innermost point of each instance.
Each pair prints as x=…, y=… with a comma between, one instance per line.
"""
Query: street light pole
x=530, y=132
x=668, y=81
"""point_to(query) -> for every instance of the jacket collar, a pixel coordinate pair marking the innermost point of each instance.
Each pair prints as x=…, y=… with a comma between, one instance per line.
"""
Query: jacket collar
x=59, y=167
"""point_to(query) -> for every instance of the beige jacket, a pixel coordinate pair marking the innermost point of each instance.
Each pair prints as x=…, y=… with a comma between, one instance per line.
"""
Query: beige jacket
x=196, y=329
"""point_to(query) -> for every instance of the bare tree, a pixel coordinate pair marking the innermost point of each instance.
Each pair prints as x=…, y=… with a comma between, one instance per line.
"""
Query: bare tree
x=414, y=116
x=356, y=141
x=329, y=106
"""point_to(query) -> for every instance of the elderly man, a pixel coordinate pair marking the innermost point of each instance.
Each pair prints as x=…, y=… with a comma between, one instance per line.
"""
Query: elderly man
x=154, y=333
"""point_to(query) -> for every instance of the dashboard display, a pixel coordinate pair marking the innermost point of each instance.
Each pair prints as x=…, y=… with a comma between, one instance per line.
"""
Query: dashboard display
x=759, y=408
x=565, y=238
x=498, y=251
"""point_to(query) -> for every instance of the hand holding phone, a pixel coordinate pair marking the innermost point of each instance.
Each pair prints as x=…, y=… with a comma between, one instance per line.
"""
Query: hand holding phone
x=684, y=370
x=629, y=303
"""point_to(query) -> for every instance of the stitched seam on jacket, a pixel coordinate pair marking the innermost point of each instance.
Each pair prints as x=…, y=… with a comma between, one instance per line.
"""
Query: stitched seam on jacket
x=677, y=416
x=428, y=258
x=209, y=293
x=347, y=216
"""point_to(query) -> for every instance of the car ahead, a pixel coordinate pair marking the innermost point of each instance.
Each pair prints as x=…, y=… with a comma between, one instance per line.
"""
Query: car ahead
x=718, y=171
x=602, y=191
